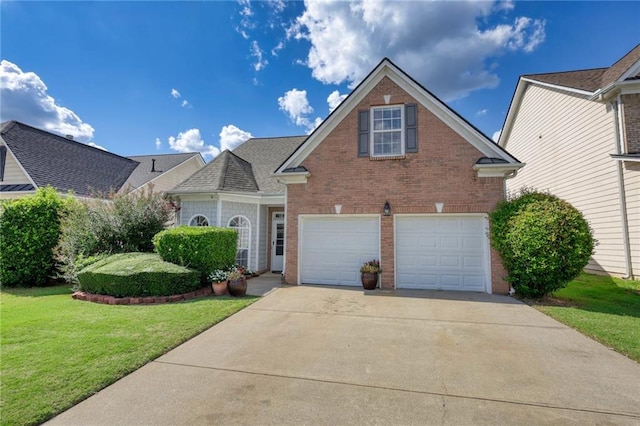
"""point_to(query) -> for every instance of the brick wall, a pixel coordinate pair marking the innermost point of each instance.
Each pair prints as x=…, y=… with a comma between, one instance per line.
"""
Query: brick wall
x=632, y=122
x=441, y=171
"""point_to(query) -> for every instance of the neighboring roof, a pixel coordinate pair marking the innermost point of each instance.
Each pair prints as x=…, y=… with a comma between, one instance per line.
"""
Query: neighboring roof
x=265, y=155
x=247, y=169
x=65, y=164
x=388, y=69
x=17, y=188
x=592, y=83
x=589, y=80
x=592, y=79
x=148, y=170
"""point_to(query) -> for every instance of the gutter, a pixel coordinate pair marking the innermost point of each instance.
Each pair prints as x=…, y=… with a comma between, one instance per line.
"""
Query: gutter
x=619, y=131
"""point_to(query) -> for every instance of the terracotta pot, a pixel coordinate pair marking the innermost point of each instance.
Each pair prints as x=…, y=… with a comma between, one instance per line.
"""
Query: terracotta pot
x=369, y=280
x=238, y=288
x=219, y=288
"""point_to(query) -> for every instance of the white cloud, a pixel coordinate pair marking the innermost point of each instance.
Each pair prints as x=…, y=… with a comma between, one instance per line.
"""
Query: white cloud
x=191, y=141
x=445, y=45
x=278, y=48
x=296, y=105
x=335, y=99
x=186, y=104
x=482, y=112
x=175, y=93
x=256, y=52
x=95, y=145
x=231, y=137
x=158, y=143
x=25, y=98
x=276, y=5
x=496, y=135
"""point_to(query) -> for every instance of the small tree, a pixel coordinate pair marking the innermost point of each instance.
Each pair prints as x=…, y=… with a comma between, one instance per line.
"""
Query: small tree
x=29, y=230
x=544, y=241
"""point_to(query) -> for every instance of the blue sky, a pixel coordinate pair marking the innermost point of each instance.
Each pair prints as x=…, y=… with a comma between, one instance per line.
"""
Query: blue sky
x=159, y=77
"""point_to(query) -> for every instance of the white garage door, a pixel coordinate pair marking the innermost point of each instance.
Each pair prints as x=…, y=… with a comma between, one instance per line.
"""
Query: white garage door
x=332, y=249
x=442, y=252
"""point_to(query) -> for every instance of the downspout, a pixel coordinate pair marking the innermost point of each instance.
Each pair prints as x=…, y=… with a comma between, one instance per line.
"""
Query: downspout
x=619, y=131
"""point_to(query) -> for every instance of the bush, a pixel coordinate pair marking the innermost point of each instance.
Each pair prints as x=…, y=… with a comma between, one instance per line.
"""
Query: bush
x=137, y=275
x=544, y=242
x=29, y=230
x=124, y=223
x=202, y=248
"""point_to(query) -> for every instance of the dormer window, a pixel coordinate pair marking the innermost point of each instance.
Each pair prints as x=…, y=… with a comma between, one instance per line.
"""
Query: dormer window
x=387, y=133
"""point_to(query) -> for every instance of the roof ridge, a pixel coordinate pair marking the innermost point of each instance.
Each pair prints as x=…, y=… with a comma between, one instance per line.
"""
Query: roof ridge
x=164, y=155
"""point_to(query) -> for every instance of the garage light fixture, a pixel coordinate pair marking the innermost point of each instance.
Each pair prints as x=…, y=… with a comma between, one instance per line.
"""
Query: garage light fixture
x=387, y=209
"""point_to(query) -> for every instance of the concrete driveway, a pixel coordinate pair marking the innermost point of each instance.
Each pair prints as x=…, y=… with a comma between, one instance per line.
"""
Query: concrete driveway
x=316, y=355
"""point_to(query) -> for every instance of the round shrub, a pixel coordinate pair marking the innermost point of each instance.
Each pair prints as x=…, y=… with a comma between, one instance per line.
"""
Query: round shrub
x=204, y=248
x=544, y=242
x=29, y=230
x=137, y=275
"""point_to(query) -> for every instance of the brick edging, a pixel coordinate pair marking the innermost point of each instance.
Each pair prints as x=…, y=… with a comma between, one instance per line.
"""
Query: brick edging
x=149, y=300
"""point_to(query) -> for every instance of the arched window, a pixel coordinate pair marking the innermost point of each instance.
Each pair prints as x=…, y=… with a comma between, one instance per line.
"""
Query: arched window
x=243, y=226
x=199, y=220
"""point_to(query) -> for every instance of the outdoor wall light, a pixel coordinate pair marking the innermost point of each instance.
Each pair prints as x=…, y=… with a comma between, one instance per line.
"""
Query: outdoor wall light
x=387, y=209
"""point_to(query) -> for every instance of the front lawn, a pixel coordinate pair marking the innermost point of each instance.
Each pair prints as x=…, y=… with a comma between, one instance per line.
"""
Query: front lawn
x=56, y=351
x=604, y=308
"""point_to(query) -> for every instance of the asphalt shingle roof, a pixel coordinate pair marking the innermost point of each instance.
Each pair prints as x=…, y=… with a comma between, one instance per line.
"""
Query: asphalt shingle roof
x=165, y=162
x=247, y=169
x=65, y=164
x=591, y=79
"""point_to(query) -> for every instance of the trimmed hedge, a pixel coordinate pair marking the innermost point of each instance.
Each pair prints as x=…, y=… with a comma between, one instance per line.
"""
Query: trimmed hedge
x=544, y=242
x=137, y=275
x=204, y=248
x=29, y=230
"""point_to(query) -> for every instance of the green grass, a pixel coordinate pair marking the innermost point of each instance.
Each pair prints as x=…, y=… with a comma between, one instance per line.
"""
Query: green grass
x=604, y=308
x=56, y=351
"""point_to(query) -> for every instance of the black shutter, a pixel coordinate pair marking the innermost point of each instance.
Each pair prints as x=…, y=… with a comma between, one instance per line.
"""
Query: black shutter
x=411, y=128
x=363, y=133
x=3, y=161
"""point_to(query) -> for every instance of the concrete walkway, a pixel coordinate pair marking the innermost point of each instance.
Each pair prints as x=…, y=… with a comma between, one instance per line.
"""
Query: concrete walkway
x=334, y=356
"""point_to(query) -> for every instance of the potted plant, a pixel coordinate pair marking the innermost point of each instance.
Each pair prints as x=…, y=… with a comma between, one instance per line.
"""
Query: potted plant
x=218, y=280
x=369, y=274
x=237, y=281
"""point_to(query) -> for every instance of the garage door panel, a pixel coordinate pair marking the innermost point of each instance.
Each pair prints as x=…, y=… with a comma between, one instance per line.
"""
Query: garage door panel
x=333, y=249
x=444, y=252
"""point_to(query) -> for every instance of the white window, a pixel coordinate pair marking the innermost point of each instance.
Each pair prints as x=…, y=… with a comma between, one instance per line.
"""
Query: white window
x=199, y=220
x=387, y=133
x=242, y=225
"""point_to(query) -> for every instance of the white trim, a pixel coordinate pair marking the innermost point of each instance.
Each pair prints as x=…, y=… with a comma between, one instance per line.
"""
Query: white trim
x=196, y=215
x=486, y=247
x=559, y=87
x=292, y=177
x=497, y=169
x=271, y=243
x=373, y=132
x=249, y=239
x=435, y=106
x=31, y=181
x=257, y=268
x=301, y=218
x=631, y=71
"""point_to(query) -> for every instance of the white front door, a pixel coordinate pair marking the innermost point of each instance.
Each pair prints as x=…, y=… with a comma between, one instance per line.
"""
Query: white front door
x=332, y=248
x=277, y=241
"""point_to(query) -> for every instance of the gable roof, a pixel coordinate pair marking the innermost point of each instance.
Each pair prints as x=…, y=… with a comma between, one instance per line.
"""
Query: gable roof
x=148, y=169
x=388, y=69
x=593, y=83
x=64, y=164
x=247, y=169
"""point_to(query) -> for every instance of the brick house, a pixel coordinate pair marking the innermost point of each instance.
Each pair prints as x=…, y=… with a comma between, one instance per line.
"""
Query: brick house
x=396, y=175
x=579, y=133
